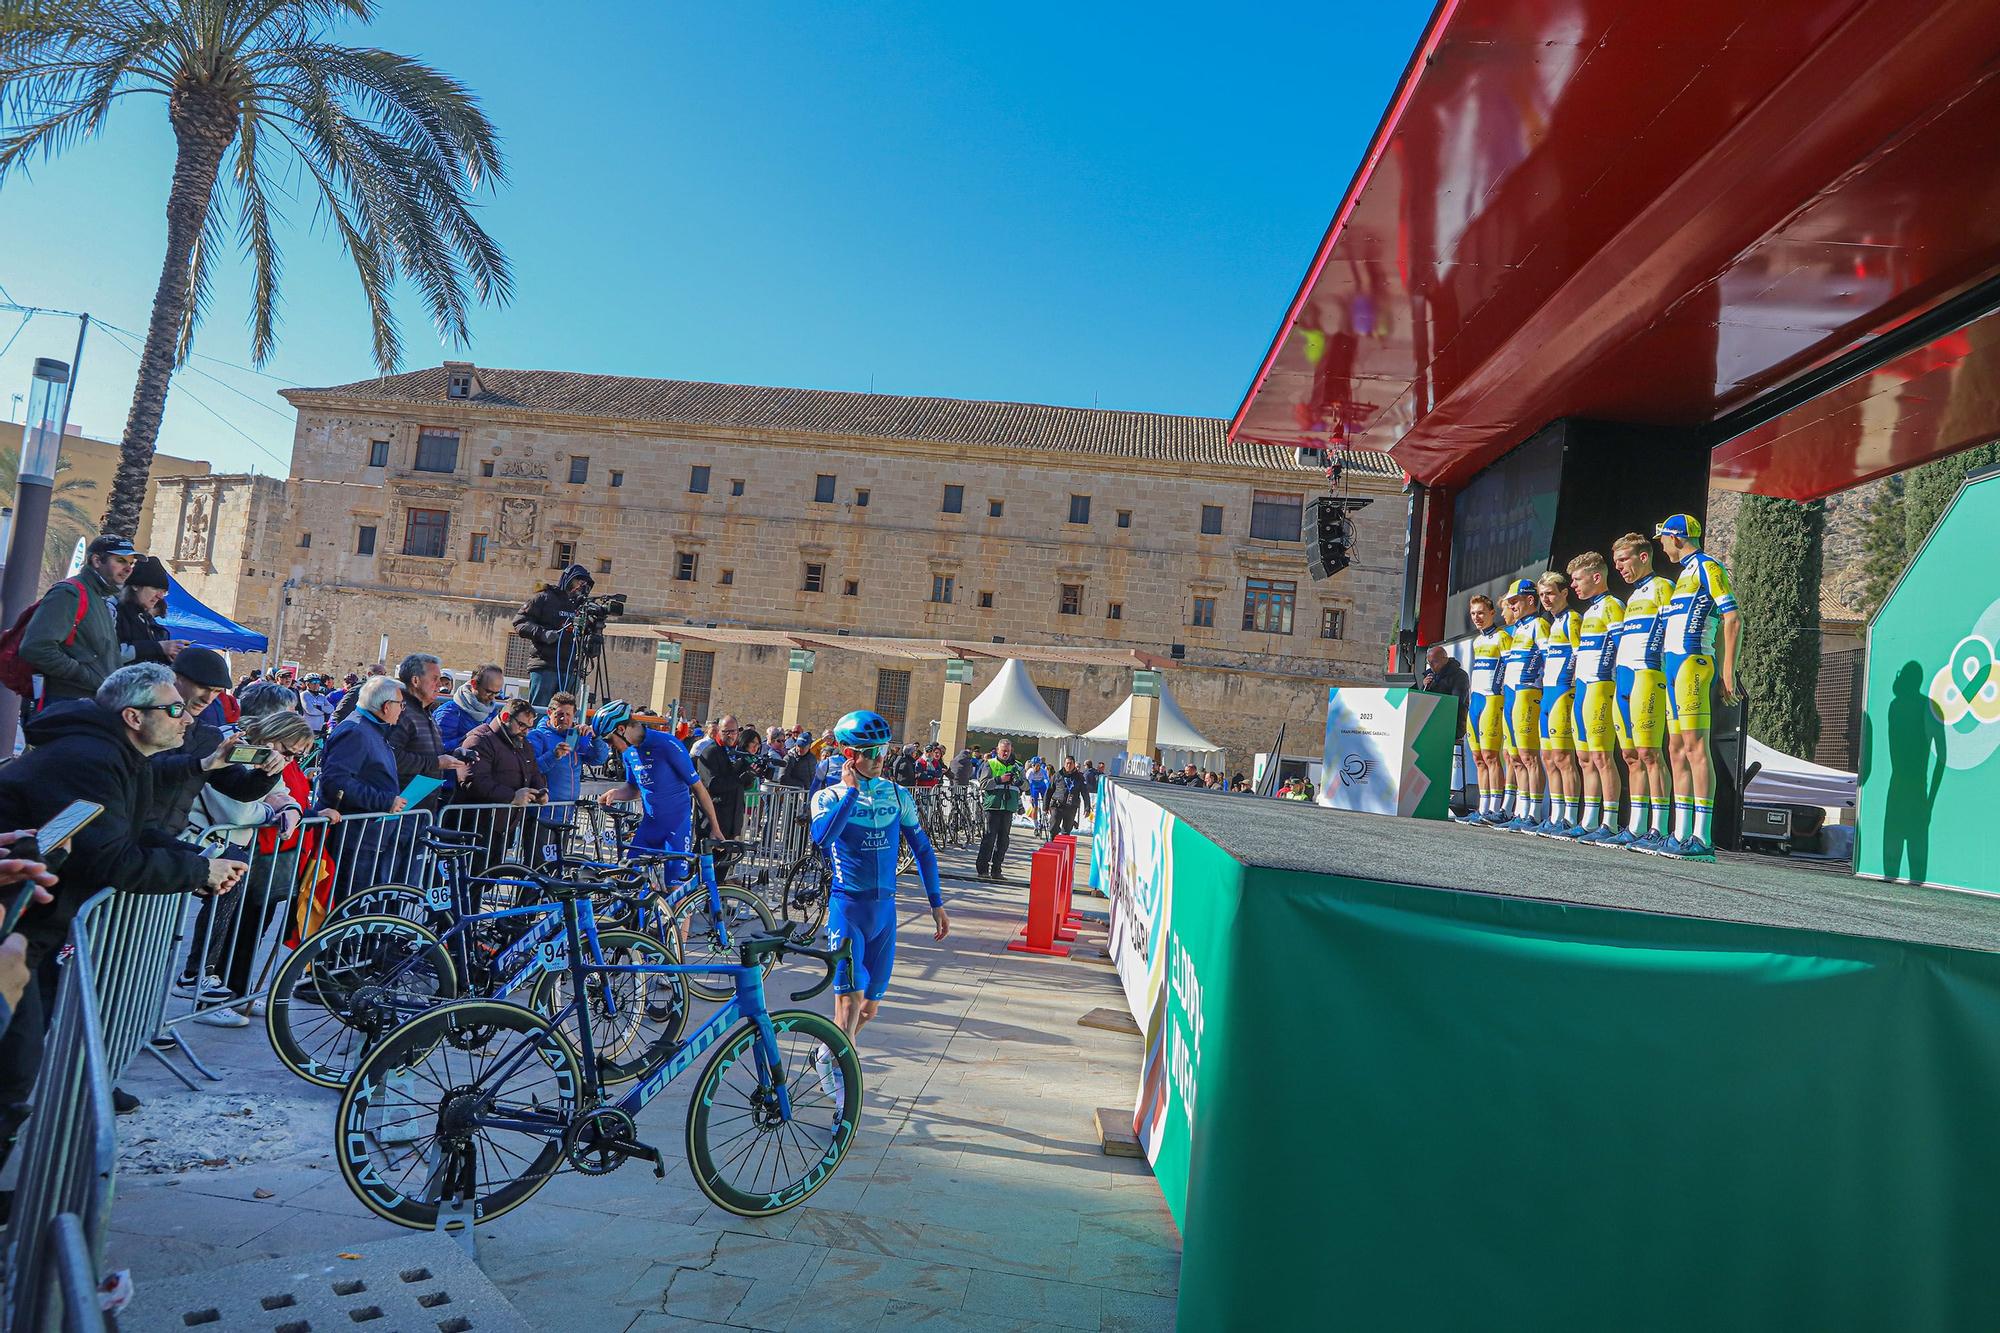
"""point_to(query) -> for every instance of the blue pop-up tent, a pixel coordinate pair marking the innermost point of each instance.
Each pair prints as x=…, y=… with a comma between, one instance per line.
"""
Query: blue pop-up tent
x=187, y=618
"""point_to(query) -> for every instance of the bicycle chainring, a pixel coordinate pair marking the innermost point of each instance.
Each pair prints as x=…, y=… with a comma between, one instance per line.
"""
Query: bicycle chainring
x=599, y=1141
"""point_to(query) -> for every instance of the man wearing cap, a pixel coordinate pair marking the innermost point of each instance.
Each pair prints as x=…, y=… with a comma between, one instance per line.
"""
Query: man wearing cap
x=316, y=703
x=1702, y=602
x=71, y=641
x=201, y=759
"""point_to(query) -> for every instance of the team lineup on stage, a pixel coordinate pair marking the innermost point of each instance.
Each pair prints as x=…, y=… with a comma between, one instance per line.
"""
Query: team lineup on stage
x=1561, y=692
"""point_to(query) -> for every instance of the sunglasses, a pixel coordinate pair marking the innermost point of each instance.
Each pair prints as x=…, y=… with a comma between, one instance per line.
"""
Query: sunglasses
x=869, y=751
x=176, y=709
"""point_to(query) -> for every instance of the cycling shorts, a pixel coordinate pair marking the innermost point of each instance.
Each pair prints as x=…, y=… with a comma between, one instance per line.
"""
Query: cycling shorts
x=1642, y=708
x=1524, y=724
x=1596, y=705
x=1558, y=721
x=870, y=923
x=1484, y=725
x=1688, y=677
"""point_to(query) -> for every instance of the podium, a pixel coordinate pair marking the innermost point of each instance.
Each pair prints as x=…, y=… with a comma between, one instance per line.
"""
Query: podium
x=1388, y=751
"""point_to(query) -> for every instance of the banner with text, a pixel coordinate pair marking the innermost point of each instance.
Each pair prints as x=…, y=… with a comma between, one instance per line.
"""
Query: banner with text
x=1388, y=752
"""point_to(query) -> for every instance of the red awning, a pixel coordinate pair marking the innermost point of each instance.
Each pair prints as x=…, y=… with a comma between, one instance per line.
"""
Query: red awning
x=1658, y=213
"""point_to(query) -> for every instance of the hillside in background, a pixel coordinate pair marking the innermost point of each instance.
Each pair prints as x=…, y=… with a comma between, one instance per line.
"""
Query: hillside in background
x=1846, y=517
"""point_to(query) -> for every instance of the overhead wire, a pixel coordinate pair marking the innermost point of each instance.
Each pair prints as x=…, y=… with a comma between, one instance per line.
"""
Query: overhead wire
x=285, y=463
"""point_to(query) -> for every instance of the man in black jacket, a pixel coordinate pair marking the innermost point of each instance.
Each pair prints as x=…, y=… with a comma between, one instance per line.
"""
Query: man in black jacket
x=1069, y=790
x=723, y=770
x=546, y=623
x=199, y=675
x=95, y=750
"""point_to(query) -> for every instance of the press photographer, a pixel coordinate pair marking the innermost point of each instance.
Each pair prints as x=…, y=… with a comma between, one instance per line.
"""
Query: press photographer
x=566, y=626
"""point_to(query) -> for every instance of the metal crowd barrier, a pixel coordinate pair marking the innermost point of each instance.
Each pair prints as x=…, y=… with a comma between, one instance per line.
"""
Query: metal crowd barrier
x=68, y=1152
x=778, y=828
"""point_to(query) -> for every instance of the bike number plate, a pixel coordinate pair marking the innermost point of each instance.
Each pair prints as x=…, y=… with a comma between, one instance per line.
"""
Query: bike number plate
x=437, y=897
x=555, y=953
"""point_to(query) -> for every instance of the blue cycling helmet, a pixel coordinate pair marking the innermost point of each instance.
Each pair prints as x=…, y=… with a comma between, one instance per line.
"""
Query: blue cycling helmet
x=610, y=715
x=863, y=729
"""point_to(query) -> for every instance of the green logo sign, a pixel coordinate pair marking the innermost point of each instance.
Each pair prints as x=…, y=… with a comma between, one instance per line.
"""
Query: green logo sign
x=802, y=659
x=958, y=671
x=667, y=652
x=1146, y=684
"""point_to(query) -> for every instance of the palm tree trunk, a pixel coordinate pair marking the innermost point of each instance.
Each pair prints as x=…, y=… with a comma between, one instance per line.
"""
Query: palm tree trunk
x=204, y=127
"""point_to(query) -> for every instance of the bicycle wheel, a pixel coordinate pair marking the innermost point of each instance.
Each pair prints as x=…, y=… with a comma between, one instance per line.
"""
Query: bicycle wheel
x=806, y=886
x=471, y=1102
x=635, y=1019
x=348, y=985
x=745, y=1154
x=701, y=931
x=403, y=900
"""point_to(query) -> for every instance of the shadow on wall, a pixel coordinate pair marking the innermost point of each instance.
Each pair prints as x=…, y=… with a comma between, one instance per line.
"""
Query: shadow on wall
x=1916, y=772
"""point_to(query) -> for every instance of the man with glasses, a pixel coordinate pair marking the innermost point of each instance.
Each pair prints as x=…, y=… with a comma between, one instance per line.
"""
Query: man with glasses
x=503, y=767
x=471, y=705
x=71, y=640
x=723, y=772
x=315, y=704
x=858, y=822
x=200, y=759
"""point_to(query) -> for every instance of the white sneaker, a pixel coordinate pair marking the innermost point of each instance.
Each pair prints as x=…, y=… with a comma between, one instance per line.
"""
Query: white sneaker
x=222, y=1018
x=260, y=1006
x=828, y=1071
x=210, y=988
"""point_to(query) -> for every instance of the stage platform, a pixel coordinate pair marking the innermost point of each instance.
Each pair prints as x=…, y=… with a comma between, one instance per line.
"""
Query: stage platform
x=1742, y=887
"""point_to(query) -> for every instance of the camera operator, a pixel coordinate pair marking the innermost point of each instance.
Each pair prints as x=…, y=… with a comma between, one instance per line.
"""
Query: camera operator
x=550, y=621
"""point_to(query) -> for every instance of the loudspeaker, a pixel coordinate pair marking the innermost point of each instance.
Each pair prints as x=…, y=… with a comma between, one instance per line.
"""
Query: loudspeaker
x=1329, y=535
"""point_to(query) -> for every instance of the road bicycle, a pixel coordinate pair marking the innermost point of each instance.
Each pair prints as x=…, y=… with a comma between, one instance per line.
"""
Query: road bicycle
x=469, y=1109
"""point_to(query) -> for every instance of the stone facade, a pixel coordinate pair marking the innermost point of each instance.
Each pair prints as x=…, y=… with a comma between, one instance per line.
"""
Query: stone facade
x=224, y=536
x=426, y=519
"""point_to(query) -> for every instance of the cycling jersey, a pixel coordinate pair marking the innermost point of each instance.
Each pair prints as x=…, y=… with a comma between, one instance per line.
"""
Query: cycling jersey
x=1701, y=594
x=1557, y=639
x=665, y=777
x=1640, y=634
x=859, y=827
x=1487, y=648
x=1596, y=637
x=826, y=773
x=1520, y=662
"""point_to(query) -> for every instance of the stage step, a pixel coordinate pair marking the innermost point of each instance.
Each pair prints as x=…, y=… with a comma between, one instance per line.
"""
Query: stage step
x=1114, y=1132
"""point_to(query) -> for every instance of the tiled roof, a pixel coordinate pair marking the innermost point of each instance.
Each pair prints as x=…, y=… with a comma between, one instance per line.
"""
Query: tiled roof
x=1079, y=430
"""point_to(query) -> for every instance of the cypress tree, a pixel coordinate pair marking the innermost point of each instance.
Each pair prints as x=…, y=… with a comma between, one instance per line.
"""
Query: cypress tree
x=1777, y=574
x=1929, y=489
x=1885, y=545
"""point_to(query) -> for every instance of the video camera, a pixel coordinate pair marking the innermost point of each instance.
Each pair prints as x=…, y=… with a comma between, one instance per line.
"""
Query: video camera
x=601, y=609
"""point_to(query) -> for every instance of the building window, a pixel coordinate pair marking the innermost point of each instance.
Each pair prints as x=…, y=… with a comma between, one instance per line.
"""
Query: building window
x=565, y=554
x=1274, y=517
x=520, y=653
x=985, y=601
x=954, y=499
x=364, y=539
x=1057, y=698
x=728, y=577
x=604, y=565
x=305, y=540
x=892, y=697
x=686, y=563
x=579, y=471
x=941, y=588
x=698, y=479
x=475, y=553
x=1204, y=613
x=815, y=579
x=486, y=469
x=851, y=588
x=378, y=453
x=460, y=386
x=736, y=486
x=437, y=450
x=617, y=477
x=1124, y=518
x=995, y=507
x=424, y=532
x=823, y=489
x=1115, y=611
x=1211, y=520
x=1333, y=622
x=1079, y=509
x=1267, y=605
x=1072, y=599
x=860, y=499
x=697, y=680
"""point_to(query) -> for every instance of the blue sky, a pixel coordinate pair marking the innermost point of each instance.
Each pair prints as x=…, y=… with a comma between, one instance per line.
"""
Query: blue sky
x=1098, y=205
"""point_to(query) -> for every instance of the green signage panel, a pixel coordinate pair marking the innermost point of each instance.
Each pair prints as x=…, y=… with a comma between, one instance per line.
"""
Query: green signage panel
x=1146, y=684
x=958, y=671
x=667, y=652
x=802, y=659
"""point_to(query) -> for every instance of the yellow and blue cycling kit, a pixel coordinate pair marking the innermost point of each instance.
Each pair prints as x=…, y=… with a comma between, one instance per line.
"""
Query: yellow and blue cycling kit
x=860, y=827
x=1701, y=598
x=1596, y=684
x=1557, y=639
x=1483, y=703
x=1642, y=681
x=1521, y=685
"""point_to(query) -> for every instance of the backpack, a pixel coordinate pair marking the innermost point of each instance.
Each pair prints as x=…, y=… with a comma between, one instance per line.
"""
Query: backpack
x=15, y=673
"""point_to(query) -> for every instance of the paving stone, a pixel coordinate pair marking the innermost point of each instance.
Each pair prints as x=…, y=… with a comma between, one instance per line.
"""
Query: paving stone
x=890, y=1278
x=1063, y=1304
x=1136, y=1312
x=904, y=1315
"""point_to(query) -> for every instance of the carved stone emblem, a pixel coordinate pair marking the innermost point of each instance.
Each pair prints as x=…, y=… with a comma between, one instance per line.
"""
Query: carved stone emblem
x=527, y=470
x=517, y=521
x=194, y=532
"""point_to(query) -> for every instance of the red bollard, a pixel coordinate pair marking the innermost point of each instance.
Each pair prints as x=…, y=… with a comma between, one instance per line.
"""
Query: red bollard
x=1043, y=868
x=1070, y=916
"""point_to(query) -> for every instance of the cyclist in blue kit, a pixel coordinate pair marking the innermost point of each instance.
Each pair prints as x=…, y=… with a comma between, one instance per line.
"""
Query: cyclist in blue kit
x=658, y=774
x=859, y=822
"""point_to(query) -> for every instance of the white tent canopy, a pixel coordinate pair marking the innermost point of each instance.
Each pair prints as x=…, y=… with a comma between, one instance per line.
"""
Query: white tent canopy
x=1786, y=780
x=1011, y=706
x=1176, y=738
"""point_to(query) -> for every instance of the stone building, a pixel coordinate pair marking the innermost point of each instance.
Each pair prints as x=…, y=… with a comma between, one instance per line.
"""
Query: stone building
x=424, y=507
x=92, y=464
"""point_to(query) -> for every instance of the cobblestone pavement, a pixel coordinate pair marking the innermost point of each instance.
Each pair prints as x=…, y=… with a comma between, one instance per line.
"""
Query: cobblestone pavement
x=975, y=1196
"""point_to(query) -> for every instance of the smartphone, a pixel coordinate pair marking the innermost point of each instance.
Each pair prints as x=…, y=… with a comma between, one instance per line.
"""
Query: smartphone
x=248, y=754
x=49, y=845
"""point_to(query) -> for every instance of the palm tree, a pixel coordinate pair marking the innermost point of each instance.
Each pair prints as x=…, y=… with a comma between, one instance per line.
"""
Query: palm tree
x=387, y=150
x=68, y=519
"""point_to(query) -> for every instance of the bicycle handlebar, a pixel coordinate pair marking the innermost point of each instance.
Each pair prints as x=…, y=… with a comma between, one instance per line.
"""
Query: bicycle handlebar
x=754, y=948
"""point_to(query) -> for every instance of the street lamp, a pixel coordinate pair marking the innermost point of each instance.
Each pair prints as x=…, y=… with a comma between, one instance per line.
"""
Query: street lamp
x=27, y=534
